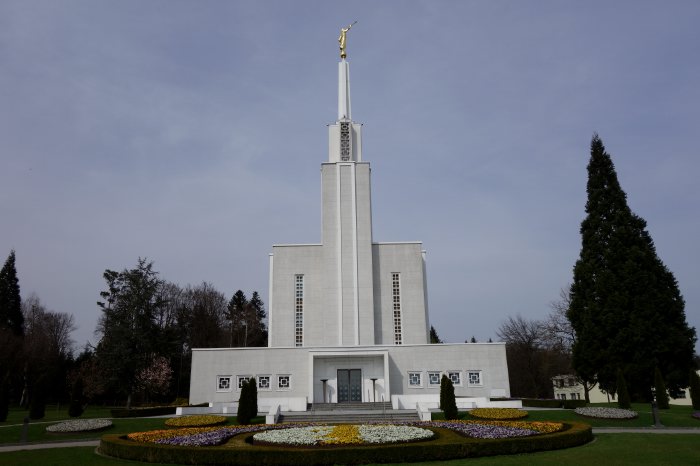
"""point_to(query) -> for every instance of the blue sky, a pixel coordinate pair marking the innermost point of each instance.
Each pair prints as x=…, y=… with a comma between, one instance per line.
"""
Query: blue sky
x=192, y=133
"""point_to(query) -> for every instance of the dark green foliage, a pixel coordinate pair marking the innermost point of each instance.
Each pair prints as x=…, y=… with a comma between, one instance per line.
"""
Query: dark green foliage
x=660, y=390
x=143, y=412
x=248, y=402
x=11, y=317
x=75, y=407
x=129, y=325
x=626, y=308
x=4, y=398
x=246, y=320
x=695, y=389
x=447, y=446
x=553, y=403
x=37, y=405
x=623, y=396
x=448, y=404
x=434, y=338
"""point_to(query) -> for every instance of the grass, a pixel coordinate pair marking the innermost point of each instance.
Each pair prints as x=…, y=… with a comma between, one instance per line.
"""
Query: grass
x=608, y=449
x=11, y=430
x=676, y=416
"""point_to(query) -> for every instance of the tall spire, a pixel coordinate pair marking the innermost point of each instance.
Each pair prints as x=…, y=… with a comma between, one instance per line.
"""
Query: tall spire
x=344, y=112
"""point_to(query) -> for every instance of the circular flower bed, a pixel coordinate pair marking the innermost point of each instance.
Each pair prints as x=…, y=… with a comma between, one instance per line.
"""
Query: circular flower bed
x=80, y=425
x=348, y=444
x=606, y=413
x=498, y=413
x=196, y=421
x=344, y=434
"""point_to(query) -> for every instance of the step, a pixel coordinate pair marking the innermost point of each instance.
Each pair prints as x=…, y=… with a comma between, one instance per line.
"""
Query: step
x=347, y=417
x=351, y=406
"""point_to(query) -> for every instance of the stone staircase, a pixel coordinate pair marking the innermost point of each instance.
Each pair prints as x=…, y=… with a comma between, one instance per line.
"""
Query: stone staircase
x=350, y=413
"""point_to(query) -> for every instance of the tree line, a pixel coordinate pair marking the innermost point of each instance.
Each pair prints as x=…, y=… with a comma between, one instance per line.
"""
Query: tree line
x=146, y=332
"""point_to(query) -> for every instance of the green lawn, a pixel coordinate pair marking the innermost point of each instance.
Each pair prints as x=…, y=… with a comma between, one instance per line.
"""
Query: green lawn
x=607, y=449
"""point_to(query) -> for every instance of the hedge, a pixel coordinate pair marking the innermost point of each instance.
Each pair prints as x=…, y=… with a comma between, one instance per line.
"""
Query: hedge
x=143, y=412
x=552, y=403
x=446, y=445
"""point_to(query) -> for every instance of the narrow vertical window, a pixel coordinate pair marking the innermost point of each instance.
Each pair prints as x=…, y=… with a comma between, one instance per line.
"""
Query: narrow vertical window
x=298, y=310
x=396, y=299
x=345, y=148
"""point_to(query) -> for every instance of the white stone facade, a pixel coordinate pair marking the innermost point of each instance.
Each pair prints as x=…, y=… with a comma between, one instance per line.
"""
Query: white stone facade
x=348, y=317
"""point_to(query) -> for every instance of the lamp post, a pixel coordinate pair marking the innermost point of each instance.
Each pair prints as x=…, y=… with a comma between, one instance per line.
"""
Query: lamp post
x=324, y=381
x=374, y=392
x=655, y=409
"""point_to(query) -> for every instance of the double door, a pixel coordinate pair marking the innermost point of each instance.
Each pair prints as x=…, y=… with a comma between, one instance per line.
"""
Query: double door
x=349, y=385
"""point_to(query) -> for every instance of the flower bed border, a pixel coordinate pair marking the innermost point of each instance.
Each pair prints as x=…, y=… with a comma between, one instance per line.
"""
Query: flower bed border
x=446, y=445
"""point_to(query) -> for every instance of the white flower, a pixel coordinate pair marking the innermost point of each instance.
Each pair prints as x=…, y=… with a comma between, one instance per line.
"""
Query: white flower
x=80, y=425
x=606, y=413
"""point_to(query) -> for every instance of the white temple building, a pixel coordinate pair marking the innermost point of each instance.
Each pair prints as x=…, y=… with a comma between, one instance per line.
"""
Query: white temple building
x=348, y=317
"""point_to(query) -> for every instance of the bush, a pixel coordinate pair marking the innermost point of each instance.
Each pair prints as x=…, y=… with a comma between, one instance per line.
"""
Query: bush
x=660, y=389
x=75, y=408
x=446, y=446
x=695, y=389
x=248, y=402
x=623, y=396
x=448, y=404
x=143, y=412
x=4, y=398
x=552, y=403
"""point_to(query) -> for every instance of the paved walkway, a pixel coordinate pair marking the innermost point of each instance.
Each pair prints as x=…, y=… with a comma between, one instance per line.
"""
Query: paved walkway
x=41, y=446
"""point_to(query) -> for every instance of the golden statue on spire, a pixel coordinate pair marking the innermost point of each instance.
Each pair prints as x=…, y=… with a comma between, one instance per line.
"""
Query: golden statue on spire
x=342, y=40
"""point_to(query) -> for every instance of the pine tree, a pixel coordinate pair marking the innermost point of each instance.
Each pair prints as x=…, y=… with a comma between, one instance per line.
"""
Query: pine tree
x=434, y=338
x=660, y=389
x=626, y=309
x=623, y=396
x=4, y=398
x=448, y=404
x=11, y=317
x=695, y=389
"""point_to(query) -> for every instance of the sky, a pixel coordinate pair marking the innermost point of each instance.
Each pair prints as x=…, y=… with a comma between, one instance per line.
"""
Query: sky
x=191, y=134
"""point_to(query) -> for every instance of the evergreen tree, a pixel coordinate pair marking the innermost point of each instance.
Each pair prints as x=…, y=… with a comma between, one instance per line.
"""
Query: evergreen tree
x=448, y=404
x=236, y=315
x=434, y=338
x=11, y=317
x=626, y=309
x=660, y=389
x=4, y=398
x=130, y=333
x=257, y=333
x=247, y=402
x=623, y=396
x=695, y=389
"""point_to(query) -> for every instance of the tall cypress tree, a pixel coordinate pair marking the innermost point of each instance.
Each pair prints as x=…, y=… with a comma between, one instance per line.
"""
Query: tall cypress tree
x=11, y=316
x=625, y=307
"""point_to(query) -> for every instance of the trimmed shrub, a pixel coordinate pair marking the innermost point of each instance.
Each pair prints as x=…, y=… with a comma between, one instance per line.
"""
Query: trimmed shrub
x=623, y=396
x=448, y=404
x=573, y=404
x=660, y=389
x=695, y=389
x=143, y=412
x=552, y=403
x=75, y=408
x=248, y=402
